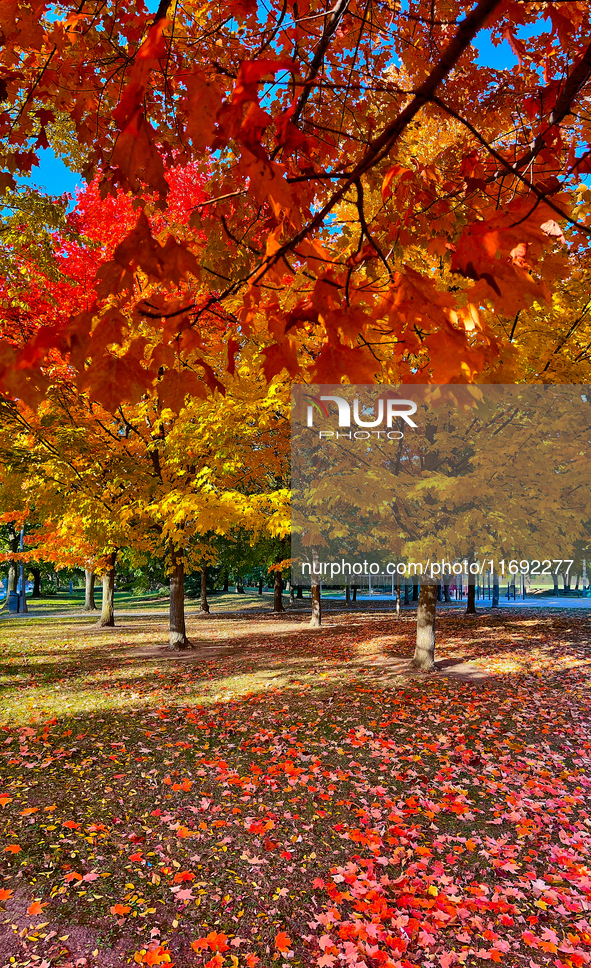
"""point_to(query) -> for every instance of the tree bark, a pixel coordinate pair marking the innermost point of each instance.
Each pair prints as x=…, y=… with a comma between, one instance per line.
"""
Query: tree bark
x=415, y=592
x=291, y=594
x=89, y=603
x=226, y=585
x=13, y=543
x=107, y=619
x=348, y=594
x=495, y=594
x=239, y=587
x=36, y=593
x=316, y=619
x=261, y=583
x=446, y=595
x=277, y=592
x=354, y=596
x=204, y=606
x=178, y=634
x=471, y=600
x=406, y=594
x=300, y=592
x=424, y=656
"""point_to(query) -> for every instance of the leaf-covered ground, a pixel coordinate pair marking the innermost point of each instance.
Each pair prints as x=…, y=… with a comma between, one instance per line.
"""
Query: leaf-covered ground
x=288, y=797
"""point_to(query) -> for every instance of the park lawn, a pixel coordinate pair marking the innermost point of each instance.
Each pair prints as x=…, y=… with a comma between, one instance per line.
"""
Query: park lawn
x=290, y=797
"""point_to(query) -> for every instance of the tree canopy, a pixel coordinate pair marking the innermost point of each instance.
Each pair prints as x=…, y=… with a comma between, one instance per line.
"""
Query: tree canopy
x=372, y=204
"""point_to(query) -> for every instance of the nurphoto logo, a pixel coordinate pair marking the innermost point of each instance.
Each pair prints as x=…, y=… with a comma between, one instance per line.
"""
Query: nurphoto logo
x=393, y=410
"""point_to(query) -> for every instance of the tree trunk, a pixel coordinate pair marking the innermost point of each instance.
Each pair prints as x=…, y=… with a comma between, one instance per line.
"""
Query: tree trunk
x=239, y=587
x=89, y=603
x=425, y=647
x=495, y=594
x=300, y=592
x=261, y=583
x=397, y=601
x=555, y=579
x=348, y=594
x=226, y=585
x=446, y=595
x=277, y=592
x=178, y=634
x=36, y=593
x=415, y=592
x=316, y=619
x=204, y=607
x=471, y=600
x=12, y=577
x=354, y=597
x=406, y=594
x=13, y=543
x=107, y=619
x=291, y=594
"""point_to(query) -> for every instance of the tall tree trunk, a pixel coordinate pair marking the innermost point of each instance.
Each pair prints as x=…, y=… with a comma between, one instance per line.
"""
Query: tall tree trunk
x=316, y=619
x=107, y=619
x=415, y=592
x=277, y=592
x=446, y=595
x=204, y=607
x=495, y=593
x=406, y=593
x=348, y=594
x=261, y=583
x=12, y=577
x=555, y=579
x=178, y=634
x=239, y=587
x=89, y=603
x=13, y=543
x=36, y=593
x=471, y=600
x=300, y=592
x=22, y=605
x=226, y=585
x=424, y=656
x=354, y=590
x=291, y=594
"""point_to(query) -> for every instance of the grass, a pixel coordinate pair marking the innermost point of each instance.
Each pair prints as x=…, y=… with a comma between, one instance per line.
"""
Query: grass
x=159, y=800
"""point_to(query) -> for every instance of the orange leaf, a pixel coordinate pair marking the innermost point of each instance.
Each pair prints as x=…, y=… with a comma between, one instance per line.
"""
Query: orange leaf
x=12, y=849
x=120, y=909
x=5, y=894
x=36, y=907
x=217, y=942
x=282, y=942
x=389, y=178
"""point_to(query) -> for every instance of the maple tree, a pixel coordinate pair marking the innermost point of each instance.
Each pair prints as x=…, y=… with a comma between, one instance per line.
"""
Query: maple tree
x=158, y=483
x=487, y=475
x=303, y=125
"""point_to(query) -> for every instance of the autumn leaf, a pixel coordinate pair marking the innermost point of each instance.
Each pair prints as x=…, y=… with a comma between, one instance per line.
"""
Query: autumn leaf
x=282, y=942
